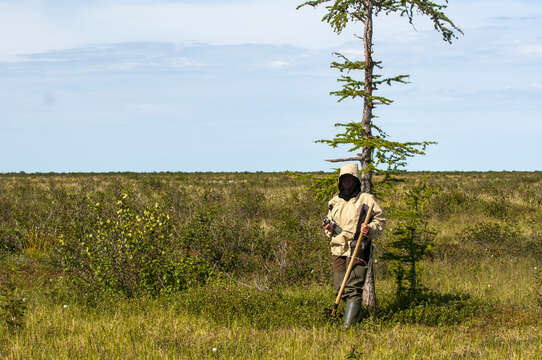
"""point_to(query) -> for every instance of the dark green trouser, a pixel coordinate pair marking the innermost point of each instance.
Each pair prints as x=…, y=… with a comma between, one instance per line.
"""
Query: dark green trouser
x=353, y=291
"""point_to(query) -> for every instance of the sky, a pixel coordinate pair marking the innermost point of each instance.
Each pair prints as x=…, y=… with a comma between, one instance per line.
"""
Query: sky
x=243, y=85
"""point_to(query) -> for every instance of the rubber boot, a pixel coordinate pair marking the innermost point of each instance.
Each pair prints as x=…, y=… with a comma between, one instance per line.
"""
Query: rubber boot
x=352, y=314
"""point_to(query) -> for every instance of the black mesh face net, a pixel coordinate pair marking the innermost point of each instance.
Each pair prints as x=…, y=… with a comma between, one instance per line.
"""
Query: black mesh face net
x=349, y=186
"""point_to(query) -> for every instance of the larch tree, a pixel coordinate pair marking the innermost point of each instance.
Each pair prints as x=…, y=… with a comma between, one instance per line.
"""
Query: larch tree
x=413, y=238
x=377, y=154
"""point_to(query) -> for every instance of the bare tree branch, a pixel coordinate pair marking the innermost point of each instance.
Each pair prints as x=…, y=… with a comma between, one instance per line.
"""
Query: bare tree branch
x=345, y=159
x=358, y=158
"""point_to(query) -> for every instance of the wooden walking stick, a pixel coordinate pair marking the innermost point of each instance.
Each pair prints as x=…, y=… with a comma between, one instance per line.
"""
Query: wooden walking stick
x=353, y=255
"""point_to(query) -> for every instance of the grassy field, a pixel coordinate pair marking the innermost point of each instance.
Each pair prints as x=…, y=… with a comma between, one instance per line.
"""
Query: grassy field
x=271, y=281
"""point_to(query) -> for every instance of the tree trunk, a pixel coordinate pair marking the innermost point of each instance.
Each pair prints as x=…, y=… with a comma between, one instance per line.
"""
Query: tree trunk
x=412, y=263
x=413, y=278
x=369, y=294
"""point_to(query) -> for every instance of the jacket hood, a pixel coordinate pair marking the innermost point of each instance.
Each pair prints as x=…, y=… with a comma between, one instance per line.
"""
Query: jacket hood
x=351, y=169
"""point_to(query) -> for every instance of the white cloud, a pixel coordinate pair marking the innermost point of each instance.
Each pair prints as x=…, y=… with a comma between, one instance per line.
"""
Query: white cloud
x=350, y=51
x=254, y=22
x=278, y=63
x=537, y=85
x=182, y=62
x=26, y=30
x=530, y=49
x=38, y=26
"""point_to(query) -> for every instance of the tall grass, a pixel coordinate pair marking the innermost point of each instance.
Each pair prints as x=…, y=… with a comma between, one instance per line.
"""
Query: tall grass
x=168, y=328
x=260, y=232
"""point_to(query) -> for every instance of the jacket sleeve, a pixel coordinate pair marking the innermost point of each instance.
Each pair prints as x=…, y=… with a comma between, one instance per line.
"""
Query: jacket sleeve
x=329, y=234
x=376, y=226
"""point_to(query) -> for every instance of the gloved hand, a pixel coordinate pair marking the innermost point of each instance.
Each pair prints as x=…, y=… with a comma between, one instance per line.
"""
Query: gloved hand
x=329, y=226
x=364, y=232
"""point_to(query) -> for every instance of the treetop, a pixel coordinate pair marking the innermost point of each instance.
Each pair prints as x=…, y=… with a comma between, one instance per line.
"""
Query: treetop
x=341, y=12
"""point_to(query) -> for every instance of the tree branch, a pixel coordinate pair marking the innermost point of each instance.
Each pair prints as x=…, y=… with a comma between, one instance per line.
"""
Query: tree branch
x=346, y=159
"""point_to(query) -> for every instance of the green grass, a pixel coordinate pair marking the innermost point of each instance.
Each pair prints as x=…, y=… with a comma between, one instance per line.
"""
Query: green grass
x=483, y=300
x=170, y=328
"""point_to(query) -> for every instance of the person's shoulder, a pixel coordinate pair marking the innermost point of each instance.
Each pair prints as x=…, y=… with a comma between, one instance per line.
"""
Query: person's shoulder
x=367, y=197
x=334, y=200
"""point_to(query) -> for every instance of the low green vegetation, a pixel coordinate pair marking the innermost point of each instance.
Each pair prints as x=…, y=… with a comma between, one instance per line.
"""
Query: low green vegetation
x=233, y=266
x=412, y=240
x=129, y=253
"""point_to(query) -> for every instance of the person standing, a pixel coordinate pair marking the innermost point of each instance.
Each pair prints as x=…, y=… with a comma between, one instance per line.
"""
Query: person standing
x=344, y=211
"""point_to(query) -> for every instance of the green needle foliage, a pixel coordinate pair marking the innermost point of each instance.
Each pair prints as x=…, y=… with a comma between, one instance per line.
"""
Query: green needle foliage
x=359, y=80
x=413, y=239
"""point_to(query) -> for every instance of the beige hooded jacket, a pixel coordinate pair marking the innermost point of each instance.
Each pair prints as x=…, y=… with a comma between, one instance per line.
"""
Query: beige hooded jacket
x=346, y=215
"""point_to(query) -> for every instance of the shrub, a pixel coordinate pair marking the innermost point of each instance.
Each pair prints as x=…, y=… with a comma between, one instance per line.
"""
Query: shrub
x=489, y=233
x=227, y=303
x=10, y=240
x=229, y=242
x=12, y=307
x=322, y=187
x=413, y=239
x=130, y=252
x=436, y=315
x=299, y=249
x=498, y=209
x=431, y=308
x=247, y=202
x=445, y=203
